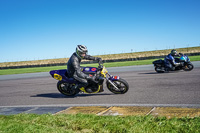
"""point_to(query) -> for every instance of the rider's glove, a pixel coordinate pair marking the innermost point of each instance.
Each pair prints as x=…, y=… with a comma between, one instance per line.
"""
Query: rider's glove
x=99, y=60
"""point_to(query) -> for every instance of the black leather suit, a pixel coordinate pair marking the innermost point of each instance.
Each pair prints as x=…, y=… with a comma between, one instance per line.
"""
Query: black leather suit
x=74, y=69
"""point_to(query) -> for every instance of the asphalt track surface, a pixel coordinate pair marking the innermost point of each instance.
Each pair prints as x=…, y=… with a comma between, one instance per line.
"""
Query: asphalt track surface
x=37, y=92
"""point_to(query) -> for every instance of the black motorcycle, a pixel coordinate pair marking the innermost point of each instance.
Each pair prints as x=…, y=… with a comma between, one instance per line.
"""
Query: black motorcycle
x=184, y=61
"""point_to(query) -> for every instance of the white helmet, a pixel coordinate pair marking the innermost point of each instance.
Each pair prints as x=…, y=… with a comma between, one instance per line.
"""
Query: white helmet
x=81, y=49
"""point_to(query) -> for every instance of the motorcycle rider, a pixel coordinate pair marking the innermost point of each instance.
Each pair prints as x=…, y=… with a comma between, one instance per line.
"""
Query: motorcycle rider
x=74, y=68
x=170, y=62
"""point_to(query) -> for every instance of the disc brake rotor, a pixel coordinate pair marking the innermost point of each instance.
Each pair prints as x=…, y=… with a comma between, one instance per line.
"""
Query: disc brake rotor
x=118, y=84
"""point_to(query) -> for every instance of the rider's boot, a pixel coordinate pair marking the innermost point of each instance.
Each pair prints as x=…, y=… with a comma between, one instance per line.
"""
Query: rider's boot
x=75, y=88
x=173, y=68
x=166, y=69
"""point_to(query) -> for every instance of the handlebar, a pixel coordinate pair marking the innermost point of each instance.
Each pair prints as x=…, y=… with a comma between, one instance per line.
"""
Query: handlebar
x=100, y=67
x=100, y=63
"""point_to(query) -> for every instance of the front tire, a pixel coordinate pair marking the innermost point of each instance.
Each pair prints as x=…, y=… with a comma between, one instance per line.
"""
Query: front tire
x=188, y=67
x=65, y=89
x=121, y=84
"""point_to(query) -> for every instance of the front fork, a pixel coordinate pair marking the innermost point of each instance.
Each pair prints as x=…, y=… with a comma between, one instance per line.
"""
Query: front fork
x=112, y=82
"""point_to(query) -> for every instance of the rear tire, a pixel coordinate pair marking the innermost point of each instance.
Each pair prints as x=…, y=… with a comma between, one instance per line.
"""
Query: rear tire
x=65, y=89
x=159, y=69
x=121, y=84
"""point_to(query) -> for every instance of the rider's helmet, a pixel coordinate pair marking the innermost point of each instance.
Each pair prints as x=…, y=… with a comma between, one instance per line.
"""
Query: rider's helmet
x=81, y=50
x=174, y=52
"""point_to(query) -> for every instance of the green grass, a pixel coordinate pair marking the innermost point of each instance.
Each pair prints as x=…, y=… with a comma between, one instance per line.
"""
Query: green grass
x=62, y=123
x=113, y=64
x=29, y=70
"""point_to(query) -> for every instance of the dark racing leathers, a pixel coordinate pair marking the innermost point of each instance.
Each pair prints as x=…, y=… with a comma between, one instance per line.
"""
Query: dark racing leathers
x=170, y=62
x=74, y=69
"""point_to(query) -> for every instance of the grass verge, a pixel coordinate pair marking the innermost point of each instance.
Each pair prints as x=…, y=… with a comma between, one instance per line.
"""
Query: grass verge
x=113, y=64
x=47, y=123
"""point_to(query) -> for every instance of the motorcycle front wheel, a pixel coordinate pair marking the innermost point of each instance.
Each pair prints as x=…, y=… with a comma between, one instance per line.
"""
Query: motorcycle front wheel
x=121, y=84
x=188, y=67
x=65, y=88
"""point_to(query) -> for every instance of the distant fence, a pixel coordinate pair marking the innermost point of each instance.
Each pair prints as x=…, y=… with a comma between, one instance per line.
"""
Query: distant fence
x=89, y=62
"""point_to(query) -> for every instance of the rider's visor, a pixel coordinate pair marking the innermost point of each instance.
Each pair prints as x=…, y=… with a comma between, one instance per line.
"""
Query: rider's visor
x=82, y=54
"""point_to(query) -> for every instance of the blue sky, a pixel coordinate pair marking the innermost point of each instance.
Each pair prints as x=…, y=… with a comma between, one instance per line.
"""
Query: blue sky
x=48, y=29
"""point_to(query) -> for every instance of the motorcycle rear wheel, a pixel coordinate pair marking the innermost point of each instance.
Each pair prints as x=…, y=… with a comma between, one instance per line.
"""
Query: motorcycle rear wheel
x=121, y=84
x=159, y=69
x=64, y=88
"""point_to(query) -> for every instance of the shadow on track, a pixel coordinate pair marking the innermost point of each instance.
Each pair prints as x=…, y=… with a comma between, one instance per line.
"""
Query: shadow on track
x=59, y=95
x=161, y=73
x=151, y=73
